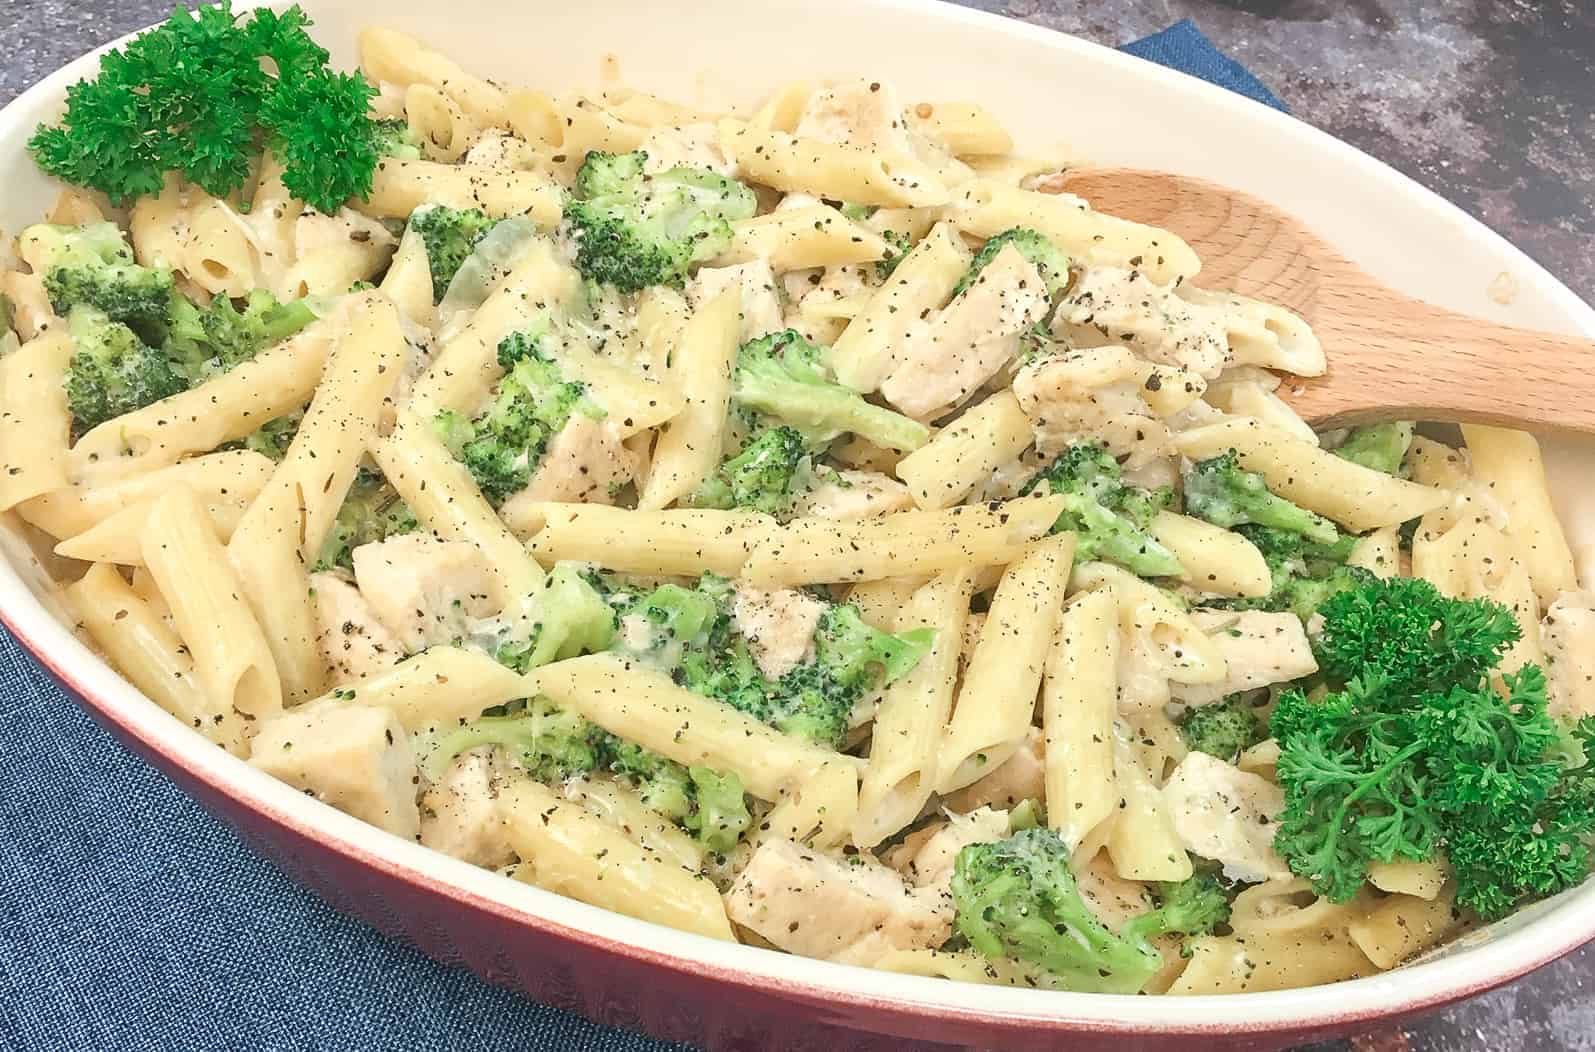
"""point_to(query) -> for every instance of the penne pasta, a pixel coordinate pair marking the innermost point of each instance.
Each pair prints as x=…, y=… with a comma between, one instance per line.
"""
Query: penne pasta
x=820, y=550
x=997, y=697
x=906, y=740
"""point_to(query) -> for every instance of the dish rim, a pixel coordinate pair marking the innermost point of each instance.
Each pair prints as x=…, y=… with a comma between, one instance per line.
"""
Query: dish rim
x=1415, y=988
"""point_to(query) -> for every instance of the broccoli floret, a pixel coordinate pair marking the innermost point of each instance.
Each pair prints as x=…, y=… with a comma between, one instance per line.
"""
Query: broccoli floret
x=814, y=700
x=1049, y=260
x=1194, y=906
x=549, y=742
x=765, y=476
x=112, y=371
x=898, y=245
x=1108, y=517
x=93, y=266
x=859, y=656
x=709, y=804
x=664, y=786
x=663, y=624
x=1382, y=447
x=206, y=342
x=393, y=137
x=1017, y=898
x=571, y=617
x=273, y=438
x=503, y=446
x=1304, y=572
x=449, y=235
x=721, y=816
x=371, y=511
x=553, y=745
x=1225, y=730
x=1221, y=492
x=784, y=376
x=1285, y=546
x=635, y=230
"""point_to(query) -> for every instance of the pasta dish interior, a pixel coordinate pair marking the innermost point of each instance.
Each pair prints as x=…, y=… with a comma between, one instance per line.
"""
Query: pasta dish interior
x=806, y=525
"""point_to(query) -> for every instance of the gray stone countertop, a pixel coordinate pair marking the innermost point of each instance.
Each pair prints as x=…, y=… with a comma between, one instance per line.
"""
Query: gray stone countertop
x=1489, y=102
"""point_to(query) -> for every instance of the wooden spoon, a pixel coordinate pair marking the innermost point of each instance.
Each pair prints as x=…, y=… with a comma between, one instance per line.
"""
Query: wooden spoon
x=1391, y=357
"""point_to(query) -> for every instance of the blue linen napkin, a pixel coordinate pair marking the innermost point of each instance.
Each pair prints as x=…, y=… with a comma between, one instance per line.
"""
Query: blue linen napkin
x=132, y=920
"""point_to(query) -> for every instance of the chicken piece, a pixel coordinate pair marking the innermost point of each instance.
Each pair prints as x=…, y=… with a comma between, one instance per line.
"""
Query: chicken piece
x=1105, y=394
x=859, y=113
x=586, y=462
x=819, y=905
x=761, y=300
x=460, y=815
x=355, y=757
x=970, y=340
x=778, y=625
x=1568, y=637
x=353, y=640
x=1223, y=813
x=1260, y=648
x=502, y=151
x=932, y=864
x=1019, y=778
x=688, y=146
x=1114, y=305
x=854, y=495
x=426, y=591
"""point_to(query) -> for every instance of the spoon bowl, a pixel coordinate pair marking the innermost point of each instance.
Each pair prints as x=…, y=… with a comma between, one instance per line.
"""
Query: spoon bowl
x=1391, y=357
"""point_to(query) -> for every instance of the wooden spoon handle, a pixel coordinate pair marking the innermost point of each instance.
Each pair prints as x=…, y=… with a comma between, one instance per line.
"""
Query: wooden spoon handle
x=1395, y=358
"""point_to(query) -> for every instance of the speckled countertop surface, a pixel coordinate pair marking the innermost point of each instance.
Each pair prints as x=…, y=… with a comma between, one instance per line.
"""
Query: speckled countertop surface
x=1489, y=102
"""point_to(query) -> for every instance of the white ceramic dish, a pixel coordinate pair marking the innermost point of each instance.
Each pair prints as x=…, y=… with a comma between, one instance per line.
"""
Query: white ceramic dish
x=1050, y=90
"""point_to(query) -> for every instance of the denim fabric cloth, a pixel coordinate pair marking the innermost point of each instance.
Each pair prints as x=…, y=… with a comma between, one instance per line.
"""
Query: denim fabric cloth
x=132, y=920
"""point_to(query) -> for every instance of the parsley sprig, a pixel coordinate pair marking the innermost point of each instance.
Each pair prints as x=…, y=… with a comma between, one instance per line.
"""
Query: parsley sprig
x=1424, y=752
x=201, y=95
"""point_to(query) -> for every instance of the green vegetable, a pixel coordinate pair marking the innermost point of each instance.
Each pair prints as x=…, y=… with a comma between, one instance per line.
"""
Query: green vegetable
x=393, y=137
x=1304, y=572
x=1049, y=260
x=1017, y=898
x=371, y=511
x=550, y=743
x=206, y=342
x=1225, y=730
x=1219, y=491
x=572, y=617
x=1382, y=447
x=200, y=96
x=765, y=476
x=273, y=438
x=1108, y=517
x=857, y=654
x=1193, y=906
x=673, y=619
x=502, y=447
x=1411, y=638
x=553, y=745
x=721, y=816
x=898, y=245
x=449, y=235
x=784, y=376
x=112, y=371
x=1418, y=754
x=635, y=230
x=814, y=700
x=92, y=265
